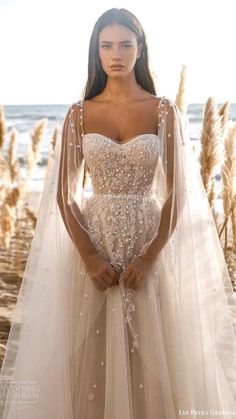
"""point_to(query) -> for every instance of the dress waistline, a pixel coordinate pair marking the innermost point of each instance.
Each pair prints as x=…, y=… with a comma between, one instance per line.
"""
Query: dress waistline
x=128, y=196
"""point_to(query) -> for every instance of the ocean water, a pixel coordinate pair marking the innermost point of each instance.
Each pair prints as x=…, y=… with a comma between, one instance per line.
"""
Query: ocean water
x=24, y=118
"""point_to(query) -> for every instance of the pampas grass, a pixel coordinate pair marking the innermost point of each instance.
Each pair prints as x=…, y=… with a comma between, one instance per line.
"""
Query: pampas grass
x=4, y=170
x=15, y=215
x=29, y=162
x=7, y=225
x=8, y=213
x=31, y=216
x=54, y=139
x=3, y=128
x=55, y=135
x=224, y=116
x=13, y=161
x=180, y=96
x=233, y=221
x=218, y=147
x=228, y=172
x=228, y=167
x=209, y=155
x=37, y=136
x=33, y=150
x=12, y=198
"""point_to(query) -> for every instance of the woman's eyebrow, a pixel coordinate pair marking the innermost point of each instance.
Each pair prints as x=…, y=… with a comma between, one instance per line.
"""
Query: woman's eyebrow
x=121, y=42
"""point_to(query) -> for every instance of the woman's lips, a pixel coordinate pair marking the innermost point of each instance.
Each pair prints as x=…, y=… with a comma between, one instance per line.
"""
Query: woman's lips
x=116, y=67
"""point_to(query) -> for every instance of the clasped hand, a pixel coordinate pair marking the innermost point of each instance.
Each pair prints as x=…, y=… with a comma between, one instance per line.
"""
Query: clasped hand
x=135, y=275
x=104, y=275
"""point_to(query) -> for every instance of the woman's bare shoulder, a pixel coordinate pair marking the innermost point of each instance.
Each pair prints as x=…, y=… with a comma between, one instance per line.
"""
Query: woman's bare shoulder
x=98, y=105
x=99, y=99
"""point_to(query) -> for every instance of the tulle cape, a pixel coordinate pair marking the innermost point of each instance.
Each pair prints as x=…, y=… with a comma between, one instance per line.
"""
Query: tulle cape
x=183, y=325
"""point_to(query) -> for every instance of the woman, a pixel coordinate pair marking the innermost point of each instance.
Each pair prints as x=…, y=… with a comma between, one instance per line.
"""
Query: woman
x=127, y=312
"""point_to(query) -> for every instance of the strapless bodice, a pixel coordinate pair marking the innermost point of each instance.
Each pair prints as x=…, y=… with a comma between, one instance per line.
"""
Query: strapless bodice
x=121, y=167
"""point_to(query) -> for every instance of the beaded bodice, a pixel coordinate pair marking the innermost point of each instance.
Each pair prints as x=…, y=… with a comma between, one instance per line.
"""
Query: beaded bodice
x=121, y=168
x=121, y=213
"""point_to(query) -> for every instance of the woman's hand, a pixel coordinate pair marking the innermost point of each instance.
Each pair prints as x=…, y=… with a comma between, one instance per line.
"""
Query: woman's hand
x=101, y=272
x=135, y=274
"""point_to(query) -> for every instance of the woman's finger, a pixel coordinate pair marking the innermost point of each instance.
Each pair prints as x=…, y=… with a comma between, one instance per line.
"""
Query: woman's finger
x=97, y=285
x=116, y=278
x=125, y=275
x=102, y=283
x=137, y=284
x=108, y=279
x=110, y=270
x=131, y=279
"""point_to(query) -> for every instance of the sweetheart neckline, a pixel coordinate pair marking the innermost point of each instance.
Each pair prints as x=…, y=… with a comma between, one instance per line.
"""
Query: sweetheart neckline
x=120, y=142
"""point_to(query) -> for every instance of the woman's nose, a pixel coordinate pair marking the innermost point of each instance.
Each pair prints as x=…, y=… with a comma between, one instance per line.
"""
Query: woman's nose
x=117, y=53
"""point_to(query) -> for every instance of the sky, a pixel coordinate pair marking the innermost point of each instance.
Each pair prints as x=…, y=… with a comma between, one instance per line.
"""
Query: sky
x=44, y=47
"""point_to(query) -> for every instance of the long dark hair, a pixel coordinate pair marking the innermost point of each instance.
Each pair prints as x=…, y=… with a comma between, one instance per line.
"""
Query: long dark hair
x=96, y=75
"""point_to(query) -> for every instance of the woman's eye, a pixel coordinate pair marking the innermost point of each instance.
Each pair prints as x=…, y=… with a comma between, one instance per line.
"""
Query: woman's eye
x=109, y=46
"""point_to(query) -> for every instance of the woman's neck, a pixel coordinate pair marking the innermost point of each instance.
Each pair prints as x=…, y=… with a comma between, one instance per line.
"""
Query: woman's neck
x=121, y=89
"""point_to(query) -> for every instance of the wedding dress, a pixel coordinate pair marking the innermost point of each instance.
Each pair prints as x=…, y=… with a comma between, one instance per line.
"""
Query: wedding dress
x=163, y=351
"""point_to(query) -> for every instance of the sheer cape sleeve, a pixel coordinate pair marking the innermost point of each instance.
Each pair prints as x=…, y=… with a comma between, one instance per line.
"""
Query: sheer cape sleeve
x=70, y=194
x=169, y=186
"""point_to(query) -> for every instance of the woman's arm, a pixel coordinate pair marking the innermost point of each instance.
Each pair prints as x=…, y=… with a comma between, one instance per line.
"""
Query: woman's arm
x=68, y=211
x=168, y=220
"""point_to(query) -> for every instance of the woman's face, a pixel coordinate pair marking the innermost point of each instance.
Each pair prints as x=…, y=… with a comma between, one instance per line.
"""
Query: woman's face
x=117, y=45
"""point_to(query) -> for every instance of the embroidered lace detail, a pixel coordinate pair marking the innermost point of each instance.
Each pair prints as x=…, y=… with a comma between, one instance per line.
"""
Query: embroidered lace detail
x=121, y=214
x=121, y=168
